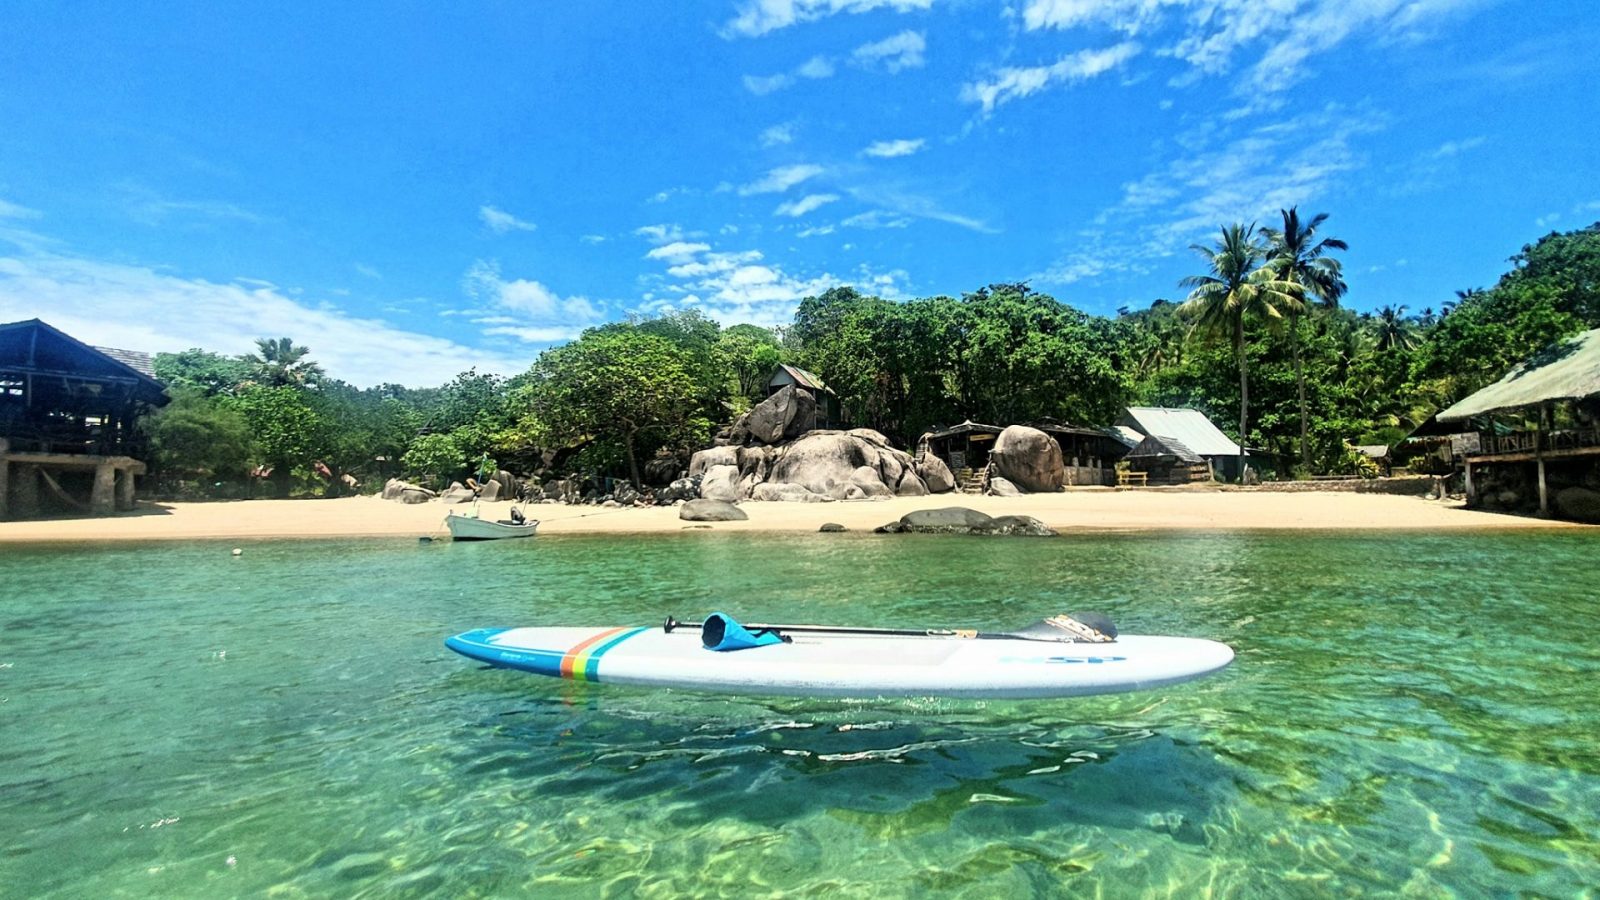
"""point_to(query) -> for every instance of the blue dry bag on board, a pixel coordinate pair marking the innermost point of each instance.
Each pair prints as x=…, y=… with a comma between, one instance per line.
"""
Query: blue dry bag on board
x=721, y=632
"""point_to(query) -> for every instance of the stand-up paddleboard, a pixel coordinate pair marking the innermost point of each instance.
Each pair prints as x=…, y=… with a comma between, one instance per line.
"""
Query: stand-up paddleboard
x=816, y=661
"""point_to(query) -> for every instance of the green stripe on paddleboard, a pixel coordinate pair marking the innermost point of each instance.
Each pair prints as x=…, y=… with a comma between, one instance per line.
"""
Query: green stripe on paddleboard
x=591, y=667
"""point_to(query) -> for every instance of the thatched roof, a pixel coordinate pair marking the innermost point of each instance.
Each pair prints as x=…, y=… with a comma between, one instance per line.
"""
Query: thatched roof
x=1566, y=370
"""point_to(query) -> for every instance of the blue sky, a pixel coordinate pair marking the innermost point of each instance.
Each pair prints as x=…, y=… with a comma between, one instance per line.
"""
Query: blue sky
x=415, y=189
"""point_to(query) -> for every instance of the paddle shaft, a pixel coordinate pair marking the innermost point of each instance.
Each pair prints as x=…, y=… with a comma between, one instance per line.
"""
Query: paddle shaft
x=964, y=633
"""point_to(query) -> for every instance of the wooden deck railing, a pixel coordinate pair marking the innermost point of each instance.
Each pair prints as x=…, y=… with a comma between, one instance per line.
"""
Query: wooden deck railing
x=1530, y=441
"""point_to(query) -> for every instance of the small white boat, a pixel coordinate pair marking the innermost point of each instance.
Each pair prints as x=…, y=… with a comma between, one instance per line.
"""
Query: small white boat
x=473, y=528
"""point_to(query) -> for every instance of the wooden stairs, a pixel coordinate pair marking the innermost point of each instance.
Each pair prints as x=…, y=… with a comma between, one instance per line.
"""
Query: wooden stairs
x=971, y=481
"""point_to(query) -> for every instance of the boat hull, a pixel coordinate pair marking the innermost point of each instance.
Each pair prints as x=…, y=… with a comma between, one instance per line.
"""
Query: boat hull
x=849, y=665
x=469, y=528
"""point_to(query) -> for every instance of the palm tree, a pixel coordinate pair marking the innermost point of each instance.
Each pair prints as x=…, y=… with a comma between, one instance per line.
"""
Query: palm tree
x=282, y=362
x=1299, y=257
x=1237, y=286
x=1393, y=330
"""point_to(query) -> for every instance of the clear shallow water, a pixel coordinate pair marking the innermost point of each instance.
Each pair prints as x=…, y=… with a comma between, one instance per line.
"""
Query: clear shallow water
x=1408, y=713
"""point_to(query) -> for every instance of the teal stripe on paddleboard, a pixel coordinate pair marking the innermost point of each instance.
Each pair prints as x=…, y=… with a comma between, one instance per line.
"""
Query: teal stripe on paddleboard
x=591, y=668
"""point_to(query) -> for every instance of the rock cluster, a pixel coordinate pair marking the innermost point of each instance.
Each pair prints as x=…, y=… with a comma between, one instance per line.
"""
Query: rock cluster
x=961, y=520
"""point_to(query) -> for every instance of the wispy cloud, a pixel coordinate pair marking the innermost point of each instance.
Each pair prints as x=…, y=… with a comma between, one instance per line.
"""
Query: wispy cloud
x=778, y=135
x=815, y=68
x=781, y=179
x=147, y=207
x=907, y=203
x=1012, y=83
x=157, y=311
x=663, y=233
x=538, y=314
x=677, y=251
x=368, y=271
x=876, y=218
x=809, y=203
x=1456, y=148
x=500, y=222
x=892, y=149
x=759, y=17
x=894, y=53
x=9, y=210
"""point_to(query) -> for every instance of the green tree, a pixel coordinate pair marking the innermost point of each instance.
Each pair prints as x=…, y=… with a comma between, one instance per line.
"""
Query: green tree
x=209, y=372
x=624, y=389
x=1235, y=288
x=434, y=458
x=198, y=438
x=1301, y=258
x=281, y=362
x=286, y=431
x=1391, y=329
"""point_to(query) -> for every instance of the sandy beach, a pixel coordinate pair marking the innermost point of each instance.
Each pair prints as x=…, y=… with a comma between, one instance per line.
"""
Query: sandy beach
x=1071, y=510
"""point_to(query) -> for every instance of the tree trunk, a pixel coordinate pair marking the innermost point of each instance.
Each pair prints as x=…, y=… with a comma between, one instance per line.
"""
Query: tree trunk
x=1244, y=390
x=1300, y=382
x=633, y=462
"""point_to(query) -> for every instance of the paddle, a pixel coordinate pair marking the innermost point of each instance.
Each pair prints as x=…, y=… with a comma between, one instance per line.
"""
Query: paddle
x=1085, y=627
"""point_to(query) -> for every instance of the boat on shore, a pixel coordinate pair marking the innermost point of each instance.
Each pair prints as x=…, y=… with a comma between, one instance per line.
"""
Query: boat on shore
x=1042, y=661
x=474, y=528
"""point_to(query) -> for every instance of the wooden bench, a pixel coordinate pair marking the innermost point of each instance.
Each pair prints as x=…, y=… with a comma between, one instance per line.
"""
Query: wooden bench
x=1125, y=479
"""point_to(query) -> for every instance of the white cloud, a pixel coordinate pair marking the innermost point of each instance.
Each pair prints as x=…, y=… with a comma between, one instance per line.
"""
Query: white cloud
x=1210, y=34
x=895, y=53
x=140, y=308
x=815, y=231
x=9, y=210
x=1011, y=83
x=1547, y=220
x=914, y=205
x=781, y=179
x=778, y=135
x=538, y=310
x=876, y=218
x=501, y=222
x=758, y=17
x=593, y=239
x=816, y=67
x=662, y=234
x=797, y=208
x=1456, y=148
x=676, y=251
x=368, y=271
x=891, y=149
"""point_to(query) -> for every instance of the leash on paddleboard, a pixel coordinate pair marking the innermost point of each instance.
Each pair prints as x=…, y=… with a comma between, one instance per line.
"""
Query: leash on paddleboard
x=1084, y=627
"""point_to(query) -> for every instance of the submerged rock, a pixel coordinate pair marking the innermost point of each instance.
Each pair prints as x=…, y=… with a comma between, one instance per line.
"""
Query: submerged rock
x=832, y=528
x=1580, y=504
x=961, y=520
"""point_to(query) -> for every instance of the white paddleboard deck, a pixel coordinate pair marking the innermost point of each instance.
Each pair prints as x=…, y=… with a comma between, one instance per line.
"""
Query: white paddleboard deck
x=849, y=665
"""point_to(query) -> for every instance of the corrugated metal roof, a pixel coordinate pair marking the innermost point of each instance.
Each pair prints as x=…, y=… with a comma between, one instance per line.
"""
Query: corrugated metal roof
x=1566, y=370
x=143, y=363
x=1189, y=426
x=1156, y=446
x=1125, y=434
x=801, y=377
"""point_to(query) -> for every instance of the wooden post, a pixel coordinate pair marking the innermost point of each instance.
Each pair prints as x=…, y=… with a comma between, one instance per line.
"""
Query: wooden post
x=125, y=487
x=1538, y=456
x=27, y=493
x=101, y=500
x=1472, y=495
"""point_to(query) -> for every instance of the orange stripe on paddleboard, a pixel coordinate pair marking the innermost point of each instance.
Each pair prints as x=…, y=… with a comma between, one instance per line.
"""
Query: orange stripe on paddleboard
x=577, y=656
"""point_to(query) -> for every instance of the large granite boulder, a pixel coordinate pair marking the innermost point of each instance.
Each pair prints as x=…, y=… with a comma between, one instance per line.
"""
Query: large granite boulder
x=681, y=489
x=1580, y=504
x=711, y=511
x=936, y=475
x=721, y=483
x=786, y=414
x=961, y=520
x=713, y=456
x=866, y=478
x=786, y=493
x=457, y=493
x=826, y=462
x=1002, y=487
x=1028, y=458
x=661, y=471
x=394, y=489
x=415, y=495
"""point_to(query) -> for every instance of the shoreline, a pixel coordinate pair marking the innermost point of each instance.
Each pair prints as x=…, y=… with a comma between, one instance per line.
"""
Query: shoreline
x=1086, y=510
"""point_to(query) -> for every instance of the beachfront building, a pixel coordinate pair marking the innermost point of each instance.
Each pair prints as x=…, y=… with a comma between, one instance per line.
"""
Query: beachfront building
x=828, y=414
x=1537, y=434
x=1088, y=455
x=1166, y=460
x=1188, y=428
x=965, y=449
x=69, y=412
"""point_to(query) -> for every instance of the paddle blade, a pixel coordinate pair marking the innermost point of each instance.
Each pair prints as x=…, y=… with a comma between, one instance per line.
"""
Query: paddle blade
x=1072, y=628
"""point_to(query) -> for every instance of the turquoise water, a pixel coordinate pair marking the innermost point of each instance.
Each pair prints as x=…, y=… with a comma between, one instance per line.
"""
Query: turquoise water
x=1408, y=714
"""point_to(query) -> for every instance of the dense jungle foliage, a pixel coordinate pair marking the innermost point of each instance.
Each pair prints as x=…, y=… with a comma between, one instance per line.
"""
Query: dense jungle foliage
x=1261, y=341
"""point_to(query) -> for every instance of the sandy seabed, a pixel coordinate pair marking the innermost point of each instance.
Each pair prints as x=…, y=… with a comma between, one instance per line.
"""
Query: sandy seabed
x=1085, y=509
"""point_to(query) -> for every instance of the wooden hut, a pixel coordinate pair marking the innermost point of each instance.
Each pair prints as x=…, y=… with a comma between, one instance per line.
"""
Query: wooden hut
x=1167, y=460
x=1088, y=455
x=964, y=448
x=1543, y=433
x=1192, y=429
x=69, y=438
x=828, y=414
